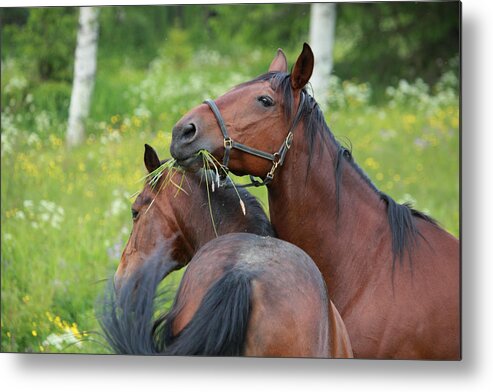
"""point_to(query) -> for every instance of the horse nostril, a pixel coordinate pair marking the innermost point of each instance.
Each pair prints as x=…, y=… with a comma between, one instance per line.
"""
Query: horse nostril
x=189, y=132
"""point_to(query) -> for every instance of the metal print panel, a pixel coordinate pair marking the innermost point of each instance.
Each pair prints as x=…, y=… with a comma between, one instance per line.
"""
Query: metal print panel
x=262, y=180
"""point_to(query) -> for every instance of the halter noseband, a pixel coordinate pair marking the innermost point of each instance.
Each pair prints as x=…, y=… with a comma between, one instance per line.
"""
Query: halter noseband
x=276, y=158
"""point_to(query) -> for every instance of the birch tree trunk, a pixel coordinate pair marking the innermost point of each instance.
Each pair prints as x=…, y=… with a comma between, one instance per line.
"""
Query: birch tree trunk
x=322, y=32
x=84, y=74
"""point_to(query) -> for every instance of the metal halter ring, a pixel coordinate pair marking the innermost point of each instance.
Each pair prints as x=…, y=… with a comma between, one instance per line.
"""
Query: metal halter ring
x=228, y=143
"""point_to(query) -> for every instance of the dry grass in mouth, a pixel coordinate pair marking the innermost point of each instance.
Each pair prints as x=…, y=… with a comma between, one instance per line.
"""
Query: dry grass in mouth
x=154, y=176
x=170, y=168
x=211, y=164
x=212, y=174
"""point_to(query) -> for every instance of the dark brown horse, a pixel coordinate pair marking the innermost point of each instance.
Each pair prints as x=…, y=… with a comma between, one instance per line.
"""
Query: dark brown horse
x=392, y=272
x=242, y=293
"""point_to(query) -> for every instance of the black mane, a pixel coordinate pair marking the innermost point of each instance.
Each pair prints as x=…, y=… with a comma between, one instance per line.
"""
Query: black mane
x=400, y=216
x=226, y=206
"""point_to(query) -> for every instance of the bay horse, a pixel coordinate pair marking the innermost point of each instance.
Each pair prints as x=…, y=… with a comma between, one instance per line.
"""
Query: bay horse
x=243, y=293
x=392, y=271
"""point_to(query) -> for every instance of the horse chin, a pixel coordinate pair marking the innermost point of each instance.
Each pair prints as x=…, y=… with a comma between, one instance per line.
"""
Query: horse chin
x=192, y=163
x=186, y=158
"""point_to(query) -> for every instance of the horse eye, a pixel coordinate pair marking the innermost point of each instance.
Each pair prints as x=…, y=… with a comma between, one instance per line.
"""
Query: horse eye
x=135, y=213
x=266, y=100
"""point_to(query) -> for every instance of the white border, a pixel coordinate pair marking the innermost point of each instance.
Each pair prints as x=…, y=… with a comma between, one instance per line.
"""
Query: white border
x=94, y=373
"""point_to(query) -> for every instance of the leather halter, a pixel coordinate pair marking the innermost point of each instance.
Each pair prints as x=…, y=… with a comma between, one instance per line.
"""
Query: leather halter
x=277, y=158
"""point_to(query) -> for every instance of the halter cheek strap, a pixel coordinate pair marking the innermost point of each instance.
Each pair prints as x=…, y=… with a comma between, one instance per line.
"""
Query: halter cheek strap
x=277, y=158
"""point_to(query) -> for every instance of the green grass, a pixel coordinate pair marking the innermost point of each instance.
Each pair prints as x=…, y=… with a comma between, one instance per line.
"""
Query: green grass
x=66, y=214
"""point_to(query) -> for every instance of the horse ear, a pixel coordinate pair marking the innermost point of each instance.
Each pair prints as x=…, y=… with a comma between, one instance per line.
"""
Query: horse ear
x=151, y=160
x=303, y=68
x=280, y=63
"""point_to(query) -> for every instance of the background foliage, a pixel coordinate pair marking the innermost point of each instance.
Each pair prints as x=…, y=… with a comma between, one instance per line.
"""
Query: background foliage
x=66, y=214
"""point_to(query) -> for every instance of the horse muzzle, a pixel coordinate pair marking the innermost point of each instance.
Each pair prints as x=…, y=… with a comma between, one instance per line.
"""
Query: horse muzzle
x=185, y=144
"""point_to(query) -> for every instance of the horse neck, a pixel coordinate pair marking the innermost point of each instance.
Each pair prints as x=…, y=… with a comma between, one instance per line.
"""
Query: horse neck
x=189, y=222
x=194, y=221
x=302, y=202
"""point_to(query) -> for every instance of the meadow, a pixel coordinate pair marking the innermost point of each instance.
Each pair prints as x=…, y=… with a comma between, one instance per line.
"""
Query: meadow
x=65, y=213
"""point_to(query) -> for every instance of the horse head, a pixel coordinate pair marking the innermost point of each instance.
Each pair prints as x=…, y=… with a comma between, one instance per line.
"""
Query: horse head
x=250, y=127
x=155, y=232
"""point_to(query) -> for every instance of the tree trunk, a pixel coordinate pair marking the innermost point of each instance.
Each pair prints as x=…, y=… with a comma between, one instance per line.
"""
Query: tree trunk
x=84, y=74
x=322, y=32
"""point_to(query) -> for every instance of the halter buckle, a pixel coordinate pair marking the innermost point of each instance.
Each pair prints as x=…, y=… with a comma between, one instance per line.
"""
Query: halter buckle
x=228, y=143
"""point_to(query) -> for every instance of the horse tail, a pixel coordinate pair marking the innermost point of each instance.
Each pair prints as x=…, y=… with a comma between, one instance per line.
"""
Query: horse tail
x=126, y=315
x=219, y=326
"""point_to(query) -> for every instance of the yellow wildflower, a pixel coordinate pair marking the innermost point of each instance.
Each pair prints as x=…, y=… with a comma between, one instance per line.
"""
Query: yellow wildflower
x=409, y=119
x=58, y=322
x=11, y=212
x=372, y=163
x=55, y=141
x=75, y=331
